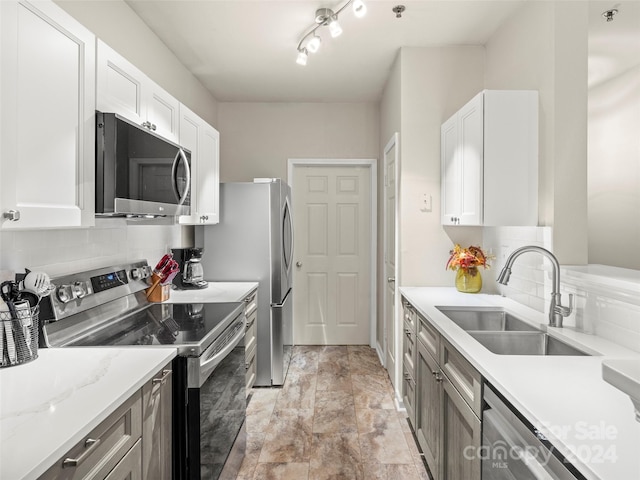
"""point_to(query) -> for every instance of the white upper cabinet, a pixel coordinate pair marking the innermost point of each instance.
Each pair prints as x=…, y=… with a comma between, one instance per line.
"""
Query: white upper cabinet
x=204, y=142
x=489, y=161
x=47, y=93
x=122, y=88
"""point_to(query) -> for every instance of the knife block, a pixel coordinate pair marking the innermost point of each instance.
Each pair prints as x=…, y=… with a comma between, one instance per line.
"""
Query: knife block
x=157, y=292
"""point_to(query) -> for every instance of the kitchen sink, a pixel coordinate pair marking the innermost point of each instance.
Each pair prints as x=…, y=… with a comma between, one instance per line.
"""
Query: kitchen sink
x=524, y=343
x=493, y=319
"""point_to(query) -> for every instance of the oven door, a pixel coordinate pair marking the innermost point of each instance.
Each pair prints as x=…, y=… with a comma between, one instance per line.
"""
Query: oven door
x=216, y=408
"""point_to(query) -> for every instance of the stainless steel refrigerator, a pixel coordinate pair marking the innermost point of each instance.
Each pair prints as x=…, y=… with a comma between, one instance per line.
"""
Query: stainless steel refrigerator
x=254, y=242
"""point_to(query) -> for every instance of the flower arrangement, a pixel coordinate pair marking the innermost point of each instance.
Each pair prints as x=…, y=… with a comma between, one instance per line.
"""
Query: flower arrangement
x=468, y=259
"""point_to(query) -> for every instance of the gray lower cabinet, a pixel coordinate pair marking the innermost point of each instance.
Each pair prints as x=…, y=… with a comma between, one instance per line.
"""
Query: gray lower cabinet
x=129, y=466
x=134, y=442
x=157, y=408
x=250, y=339
x=448, y=426
x=428, y=402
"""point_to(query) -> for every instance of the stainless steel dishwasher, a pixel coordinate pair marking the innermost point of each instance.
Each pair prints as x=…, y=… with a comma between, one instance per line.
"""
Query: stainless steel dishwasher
x=512, y=449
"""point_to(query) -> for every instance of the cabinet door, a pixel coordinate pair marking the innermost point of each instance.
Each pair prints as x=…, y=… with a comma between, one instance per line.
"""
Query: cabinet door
x=461, y=437
x=203, y=141
x=428, y=398
x=409, y=395
x=162, y=111
x=157, y=427
x=450, y=175
x=119, y=85
x=470, y=155
x=47, y=116
x=129, y=467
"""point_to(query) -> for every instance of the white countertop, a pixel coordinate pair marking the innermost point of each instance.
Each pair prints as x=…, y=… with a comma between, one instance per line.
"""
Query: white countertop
x=216, y=292
x=590, y=422
x=51, y=403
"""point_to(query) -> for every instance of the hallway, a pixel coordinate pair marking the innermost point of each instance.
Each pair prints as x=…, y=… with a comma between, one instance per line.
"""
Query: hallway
x=333, y=419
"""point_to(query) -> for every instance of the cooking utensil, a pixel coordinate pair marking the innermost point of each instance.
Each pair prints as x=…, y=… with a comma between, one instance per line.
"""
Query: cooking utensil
x=23, y=312
x=38, y=283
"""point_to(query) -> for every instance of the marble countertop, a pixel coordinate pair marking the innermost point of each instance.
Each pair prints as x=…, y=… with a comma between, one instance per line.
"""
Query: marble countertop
x=216, y=292
x=588, y=420
x=50, y=404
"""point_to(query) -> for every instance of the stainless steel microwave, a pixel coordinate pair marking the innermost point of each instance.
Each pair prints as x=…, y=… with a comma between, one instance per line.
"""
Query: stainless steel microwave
x=139, y=173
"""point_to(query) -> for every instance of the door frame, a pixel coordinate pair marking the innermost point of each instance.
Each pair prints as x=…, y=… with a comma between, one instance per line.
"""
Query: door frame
x=394, y=141
x=372, y=164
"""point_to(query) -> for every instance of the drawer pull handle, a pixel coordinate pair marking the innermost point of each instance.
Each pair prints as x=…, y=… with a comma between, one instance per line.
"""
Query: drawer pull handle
x=251, y=323
x=163, y=378
x=89, y=444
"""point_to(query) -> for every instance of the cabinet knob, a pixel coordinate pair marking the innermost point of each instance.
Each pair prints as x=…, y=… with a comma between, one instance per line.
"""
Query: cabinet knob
x=153, y=127
x=298, y=264
x=12, y=215
x=146, y=124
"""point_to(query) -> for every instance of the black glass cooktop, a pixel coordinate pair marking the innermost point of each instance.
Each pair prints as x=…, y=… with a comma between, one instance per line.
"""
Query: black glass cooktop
x=190, y=326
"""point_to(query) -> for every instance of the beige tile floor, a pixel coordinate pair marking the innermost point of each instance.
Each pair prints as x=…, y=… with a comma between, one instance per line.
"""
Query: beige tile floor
x=333, y=419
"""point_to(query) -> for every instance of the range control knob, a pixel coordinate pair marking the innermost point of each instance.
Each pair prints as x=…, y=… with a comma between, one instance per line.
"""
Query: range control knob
x=65, y=293
x=135, y=273
x=81, y=289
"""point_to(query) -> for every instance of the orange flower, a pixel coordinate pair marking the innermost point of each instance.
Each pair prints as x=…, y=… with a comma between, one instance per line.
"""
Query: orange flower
x=468, y=259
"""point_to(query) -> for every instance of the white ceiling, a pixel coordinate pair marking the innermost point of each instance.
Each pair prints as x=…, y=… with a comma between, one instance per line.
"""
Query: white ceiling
x=245, y=50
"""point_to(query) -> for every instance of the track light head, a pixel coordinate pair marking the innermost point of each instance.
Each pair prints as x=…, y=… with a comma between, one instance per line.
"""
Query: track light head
x=326, y=17
x=302, y=57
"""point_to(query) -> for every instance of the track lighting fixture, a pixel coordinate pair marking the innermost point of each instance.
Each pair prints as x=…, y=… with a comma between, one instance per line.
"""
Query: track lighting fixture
x=326, y=17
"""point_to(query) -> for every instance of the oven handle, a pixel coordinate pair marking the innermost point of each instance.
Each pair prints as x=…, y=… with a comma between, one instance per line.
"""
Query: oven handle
x=209, y=365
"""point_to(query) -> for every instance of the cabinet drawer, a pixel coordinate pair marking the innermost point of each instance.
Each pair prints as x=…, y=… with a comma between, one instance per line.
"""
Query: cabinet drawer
x=250, y=365
x=429, y=337
x=130, y=467
x=251, y=303
x=250, y=336
x=466, y=379
x=409, y=395
x=409, y=349
x=99, y=452
x=409, y=315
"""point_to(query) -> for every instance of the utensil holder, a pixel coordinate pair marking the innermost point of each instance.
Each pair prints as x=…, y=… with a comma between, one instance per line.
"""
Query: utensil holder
x=157, y=292
x=19, y=336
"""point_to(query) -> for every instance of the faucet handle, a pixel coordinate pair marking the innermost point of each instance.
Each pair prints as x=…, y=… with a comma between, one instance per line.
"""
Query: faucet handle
x=566, y=311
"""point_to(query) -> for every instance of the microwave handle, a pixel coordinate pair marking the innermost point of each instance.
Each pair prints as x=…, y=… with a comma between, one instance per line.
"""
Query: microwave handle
x=180, y=156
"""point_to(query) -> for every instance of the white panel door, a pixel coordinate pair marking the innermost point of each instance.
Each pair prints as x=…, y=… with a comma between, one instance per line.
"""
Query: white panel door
x=332, y=279
x=391, y=322
x=48, y=118
x=450, y=166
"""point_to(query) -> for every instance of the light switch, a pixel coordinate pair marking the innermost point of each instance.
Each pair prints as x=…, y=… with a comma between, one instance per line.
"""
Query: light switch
x=426, y=203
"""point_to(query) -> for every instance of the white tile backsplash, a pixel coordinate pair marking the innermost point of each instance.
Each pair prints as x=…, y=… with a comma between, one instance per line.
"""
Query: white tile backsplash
x=111, y=241
x=607, y=299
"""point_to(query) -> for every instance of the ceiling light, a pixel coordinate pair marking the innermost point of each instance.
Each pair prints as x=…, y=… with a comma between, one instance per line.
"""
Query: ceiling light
x=314, y=44
x=359, y=8
x=326, y=17
x=302, y=57
x=334, y=27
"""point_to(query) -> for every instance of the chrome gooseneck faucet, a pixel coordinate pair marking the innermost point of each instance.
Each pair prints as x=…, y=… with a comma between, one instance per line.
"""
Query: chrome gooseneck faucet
x=556, y=310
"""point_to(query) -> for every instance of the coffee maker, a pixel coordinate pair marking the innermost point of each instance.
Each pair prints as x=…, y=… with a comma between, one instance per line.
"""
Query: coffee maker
x=191, y=273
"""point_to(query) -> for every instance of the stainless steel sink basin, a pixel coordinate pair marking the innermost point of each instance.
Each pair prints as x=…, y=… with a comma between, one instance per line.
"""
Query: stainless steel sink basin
x=524, y=343
x=493, y=319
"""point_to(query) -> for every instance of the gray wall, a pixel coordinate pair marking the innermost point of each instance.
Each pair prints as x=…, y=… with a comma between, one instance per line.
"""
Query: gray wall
x=257, y=139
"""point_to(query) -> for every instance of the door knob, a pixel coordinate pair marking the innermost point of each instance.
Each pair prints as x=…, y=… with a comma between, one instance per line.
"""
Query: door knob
x=298, y=264
x=391, y=280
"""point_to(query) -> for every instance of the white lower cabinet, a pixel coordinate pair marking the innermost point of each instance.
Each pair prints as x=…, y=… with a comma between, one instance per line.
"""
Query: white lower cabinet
x=133, y=443
x=203, y=141
x=47, y=139
x=447, y=425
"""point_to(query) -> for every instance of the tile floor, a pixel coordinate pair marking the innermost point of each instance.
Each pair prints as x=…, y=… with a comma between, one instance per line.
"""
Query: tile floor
x=333, y=419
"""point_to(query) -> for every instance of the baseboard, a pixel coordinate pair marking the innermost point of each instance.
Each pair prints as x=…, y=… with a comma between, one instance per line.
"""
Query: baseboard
x=380, y=353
